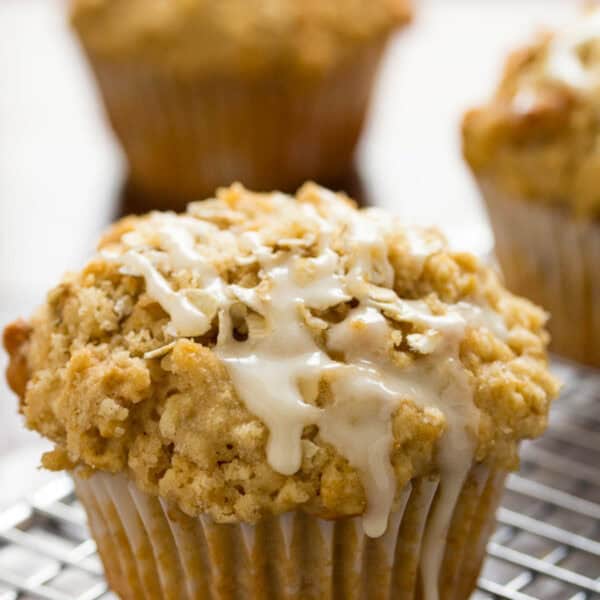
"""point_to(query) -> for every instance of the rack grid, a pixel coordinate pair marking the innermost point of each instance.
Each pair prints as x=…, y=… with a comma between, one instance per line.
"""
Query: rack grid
x=546, y=545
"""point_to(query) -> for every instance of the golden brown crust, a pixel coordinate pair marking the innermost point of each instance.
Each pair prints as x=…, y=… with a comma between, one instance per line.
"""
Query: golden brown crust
x=174, y=420
x=15, y=339
x=536, y=138
x=240, y=36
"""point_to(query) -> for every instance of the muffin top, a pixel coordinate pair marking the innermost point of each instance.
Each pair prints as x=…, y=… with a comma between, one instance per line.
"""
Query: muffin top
x=243, y=36
x=538, y=136
x=261, y=353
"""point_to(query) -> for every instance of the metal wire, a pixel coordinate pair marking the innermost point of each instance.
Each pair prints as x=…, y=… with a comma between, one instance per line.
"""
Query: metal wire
x=546, y=546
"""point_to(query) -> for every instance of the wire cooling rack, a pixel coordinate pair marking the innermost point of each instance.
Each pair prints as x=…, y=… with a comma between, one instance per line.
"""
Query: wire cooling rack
x=546, y=546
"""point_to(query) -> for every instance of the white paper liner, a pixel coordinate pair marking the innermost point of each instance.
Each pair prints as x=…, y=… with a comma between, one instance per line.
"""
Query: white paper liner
x=151, y=550
x=184, y=136
x=554, y=259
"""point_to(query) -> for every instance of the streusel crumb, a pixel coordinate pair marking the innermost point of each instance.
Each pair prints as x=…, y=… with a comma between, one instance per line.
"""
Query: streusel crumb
x=244, y=36
x=103, y=373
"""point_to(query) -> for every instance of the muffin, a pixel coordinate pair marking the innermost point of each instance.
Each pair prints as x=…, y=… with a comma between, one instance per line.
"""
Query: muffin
x=535, y=154
x=203, y=93
x=277, y=397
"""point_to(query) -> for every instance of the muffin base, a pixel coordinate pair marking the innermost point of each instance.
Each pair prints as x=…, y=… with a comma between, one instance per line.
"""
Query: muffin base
x=152, y=550
x=184, y=136
x=549, y=256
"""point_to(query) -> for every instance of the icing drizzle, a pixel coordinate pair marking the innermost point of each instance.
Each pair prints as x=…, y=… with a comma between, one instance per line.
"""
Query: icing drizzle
x=280, y=367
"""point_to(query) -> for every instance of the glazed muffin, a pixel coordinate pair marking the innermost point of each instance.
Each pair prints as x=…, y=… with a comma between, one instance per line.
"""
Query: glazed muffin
x=277, y=397
x=534, y=151
x=203, y=93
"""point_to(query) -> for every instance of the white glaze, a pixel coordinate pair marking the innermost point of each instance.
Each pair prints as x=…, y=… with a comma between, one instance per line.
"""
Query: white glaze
x=563, y=62
x=437, y=381
x=268, y=371
x=186, y=319
x=422, y=246
x=277, y=370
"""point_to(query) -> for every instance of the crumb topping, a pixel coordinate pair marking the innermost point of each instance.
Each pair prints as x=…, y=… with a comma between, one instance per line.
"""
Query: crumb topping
x=537, y=137
x=262, y=353
x=244, y=36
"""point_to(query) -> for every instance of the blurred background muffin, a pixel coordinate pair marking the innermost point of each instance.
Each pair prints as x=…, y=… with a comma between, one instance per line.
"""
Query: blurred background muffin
x=203, y=93
x=535, y=153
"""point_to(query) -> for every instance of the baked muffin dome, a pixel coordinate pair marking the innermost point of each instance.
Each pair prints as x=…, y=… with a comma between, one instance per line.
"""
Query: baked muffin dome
x=536, y=137
x=261, y=353
x=243, y=36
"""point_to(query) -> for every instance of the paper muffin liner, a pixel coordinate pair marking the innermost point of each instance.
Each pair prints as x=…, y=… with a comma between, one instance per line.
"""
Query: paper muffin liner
x=186, y=135
x=549, y=256
x=151, y=550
